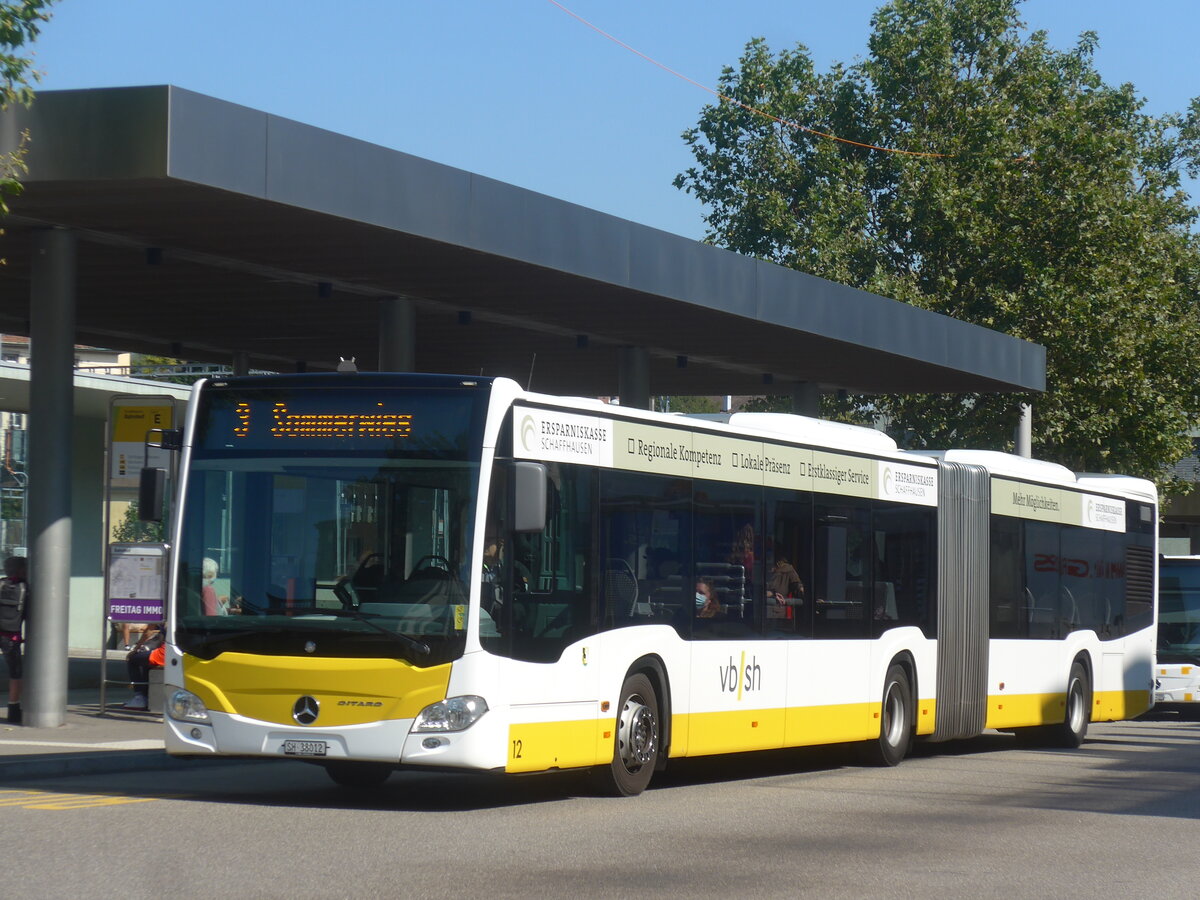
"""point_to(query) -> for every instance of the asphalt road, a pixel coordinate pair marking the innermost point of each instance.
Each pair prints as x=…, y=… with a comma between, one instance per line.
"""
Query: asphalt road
x=981, y=819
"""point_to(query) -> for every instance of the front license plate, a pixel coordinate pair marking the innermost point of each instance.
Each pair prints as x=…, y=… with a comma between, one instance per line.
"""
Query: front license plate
x=305, y=748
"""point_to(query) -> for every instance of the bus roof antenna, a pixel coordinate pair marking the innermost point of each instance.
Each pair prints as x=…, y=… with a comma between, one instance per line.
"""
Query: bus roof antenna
x=532, y=363
x=346, y=365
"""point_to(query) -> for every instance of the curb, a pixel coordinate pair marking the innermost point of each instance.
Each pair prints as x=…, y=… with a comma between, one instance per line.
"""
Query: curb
x=104, y=762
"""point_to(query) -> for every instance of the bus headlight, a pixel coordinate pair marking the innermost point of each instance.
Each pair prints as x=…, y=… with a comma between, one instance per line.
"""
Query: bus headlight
x=184, y=706
x=452, y=714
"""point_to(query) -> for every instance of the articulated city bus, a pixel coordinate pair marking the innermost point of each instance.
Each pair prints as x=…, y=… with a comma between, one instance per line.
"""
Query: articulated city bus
x=1177, y=669
x=372, y=571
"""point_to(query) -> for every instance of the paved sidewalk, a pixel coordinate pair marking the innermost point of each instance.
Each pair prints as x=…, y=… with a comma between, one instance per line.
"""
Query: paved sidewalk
x=89, y=742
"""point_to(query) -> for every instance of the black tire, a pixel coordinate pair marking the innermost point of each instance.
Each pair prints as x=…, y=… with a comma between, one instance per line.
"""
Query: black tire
x=359, y=774
x=636, y=740
x=1073, y=729
x=895, y=721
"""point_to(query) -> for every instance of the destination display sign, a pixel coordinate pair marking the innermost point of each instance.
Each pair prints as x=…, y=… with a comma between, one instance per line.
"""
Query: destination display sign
x=368, y=420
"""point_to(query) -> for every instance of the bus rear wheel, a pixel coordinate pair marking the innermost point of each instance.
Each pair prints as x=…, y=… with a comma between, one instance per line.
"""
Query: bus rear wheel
x=359, y=774
x=895, y=721
x=636, y=742
x=1073, y=729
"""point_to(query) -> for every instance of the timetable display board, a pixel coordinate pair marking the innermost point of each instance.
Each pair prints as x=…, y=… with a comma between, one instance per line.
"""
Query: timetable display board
x=136, y=584
x=131, y=419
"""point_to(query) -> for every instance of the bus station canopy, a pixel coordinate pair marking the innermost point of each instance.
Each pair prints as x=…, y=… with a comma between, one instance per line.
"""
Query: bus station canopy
x=207, y=229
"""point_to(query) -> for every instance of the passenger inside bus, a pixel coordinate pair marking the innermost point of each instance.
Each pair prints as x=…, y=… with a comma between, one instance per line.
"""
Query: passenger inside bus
x=491, y=593
x=210, y=603
x=784, y=585
x=707, y=605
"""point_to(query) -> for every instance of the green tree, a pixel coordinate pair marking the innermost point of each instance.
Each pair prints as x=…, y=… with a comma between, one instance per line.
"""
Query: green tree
x=1015, y=190
x=19, y=25
x=144, y=365
x=132, y=530
x=682, y=403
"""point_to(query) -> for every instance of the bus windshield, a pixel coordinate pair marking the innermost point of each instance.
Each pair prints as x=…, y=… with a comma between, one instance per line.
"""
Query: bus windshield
x=1179, y=611
x=329, y=523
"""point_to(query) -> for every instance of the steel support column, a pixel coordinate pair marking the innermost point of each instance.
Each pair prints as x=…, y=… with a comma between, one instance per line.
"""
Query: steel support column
x=397, y=335
x=633, y=377
x=1024, y=436
x=806, y=399
x=241, y=362
x=51, y=385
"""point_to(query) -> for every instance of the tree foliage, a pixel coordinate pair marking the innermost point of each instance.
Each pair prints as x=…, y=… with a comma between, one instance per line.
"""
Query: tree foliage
x=132, y=530
x=693, y=404
x=19, y=25
x=1021, y=192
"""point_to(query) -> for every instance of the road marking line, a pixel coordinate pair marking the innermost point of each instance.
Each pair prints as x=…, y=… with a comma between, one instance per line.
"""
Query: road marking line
x=48, y=800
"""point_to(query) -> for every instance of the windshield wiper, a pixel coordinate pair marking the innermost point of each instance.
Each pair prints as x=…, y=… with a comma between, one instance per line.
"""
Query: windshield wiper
x=219, y=636
x=419, y=647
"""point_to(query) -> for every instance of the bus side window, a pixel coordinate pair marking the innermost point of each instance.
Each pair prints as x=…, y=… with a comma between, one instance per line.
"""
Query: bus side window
x=842, y=570
x=551, y=603
x=1008, y=615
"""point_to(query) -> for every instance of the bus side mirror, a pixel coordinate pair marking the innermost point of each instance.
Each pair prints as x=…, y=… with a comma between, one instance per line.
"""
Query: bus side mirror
x=529, y=512
x=151, y=491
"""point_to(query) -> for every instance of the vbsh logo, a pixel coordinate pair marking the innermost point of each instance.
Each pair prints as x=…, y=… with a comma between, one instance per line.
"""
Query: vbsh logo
x=742, y=677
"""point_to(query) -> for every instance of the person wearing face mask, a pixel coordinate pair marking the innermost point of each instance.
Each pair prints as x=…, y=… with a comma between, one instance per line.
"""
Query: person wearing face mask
x=706, y=599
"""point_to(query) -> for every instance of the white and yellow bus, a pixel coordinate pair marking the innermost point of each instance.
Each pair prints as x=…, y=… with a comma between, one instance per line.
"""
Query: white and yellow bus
x=1177, y=667
x=375, y=571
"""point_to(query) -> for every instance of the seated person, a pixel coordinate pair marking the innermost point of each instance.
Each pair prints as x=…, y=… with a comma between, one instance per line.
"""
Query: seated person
x=707, y=606
x=149, y=652
x=210, y=603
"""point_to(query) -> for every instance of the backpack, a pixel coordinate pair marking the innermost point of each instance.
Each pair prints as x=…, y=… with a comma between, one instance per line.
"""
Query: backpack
x=12, y=605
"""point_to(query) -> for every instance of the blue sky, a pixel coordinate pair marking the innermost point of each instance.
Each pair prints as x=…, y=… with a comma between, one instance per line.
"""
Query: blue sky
x=520, y=91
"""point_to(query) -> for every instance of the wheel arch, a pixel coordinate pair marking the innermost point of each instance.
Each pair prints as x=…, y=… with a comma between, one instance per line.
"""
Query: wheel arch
x=1084, y=658
x=905, y=660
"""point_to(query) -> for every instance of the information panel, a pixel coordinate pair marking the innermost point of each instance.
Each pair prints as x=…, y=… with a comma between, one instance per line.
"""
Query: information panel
x=136, y=583
x=131, y=419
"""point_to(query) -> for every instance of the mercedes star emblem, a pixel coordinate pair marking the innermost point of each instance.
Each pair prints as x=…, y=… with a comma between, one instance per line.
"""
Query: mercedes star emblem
x=306, y=710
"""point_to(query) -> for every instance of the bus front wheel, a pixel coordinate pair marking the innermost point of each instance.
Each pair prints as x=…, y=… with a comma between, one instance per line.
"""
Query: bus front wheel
x=636, y=741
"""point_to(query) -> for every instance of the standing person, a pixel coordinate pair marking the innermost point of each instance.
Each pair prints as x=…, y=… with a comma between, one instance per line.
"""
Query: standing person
x=14, y=594
x=785, y=583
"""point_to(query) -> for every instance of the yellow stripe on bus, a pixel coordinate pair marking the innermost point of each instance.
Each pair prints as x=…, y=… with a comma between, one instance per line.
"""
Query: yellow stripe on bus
x=538, y=746
x=535, y=747
x=1022, y=710
x=350, y=691
x=1113, y=706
